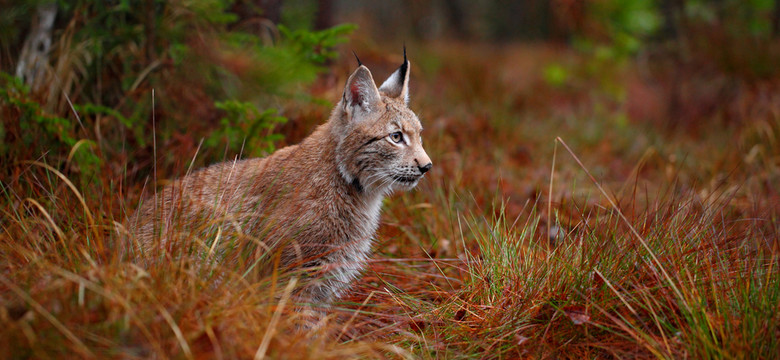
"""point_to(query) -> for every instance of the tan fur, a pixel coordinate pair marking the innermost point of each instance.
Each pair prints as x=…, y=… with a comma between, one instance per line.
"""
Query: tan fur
x=316, y=204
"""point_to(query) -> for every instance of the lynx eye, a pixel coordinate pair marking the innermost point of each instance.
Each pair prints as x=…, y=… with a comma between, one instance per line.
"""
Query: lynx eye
x=397, y=137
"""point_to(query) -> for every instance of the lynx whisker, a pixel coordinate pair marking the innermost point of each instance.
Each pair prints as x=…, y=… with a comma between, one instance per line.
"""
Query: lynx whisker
x=314, y=204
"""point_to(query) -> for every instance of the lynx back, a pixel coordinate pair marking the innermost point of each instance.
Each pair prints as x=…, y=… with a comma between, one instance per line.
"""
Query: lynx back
x=315, y=204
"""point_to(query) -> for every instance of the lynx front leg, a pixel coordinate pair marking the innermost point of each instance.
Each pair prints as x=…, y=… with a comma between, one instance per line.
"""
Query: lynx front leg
x=327, y=282
x=321, y=286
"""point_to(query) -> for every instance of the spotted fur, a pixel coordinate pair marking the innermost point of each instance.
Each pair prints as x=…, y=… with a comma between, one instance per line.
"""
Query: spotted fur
x=316, y=204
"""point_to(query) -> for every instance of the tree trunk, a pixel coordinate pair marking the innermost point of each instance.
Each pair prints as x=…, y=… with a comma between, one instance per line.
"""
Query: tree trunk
x=150, y=31
x=324, y=17
x=776, y=20
x=272, y=9
x=34, y=58
x=455, y=18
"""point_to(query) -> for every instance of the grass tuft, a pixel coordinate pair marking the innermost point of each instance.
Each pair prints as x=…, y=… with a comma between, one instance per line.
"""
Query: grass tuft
x=645, y=243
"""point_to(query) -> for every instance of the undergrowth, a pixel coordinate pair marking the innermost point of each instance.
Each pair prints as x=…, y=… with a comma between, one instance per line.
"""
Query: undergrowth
x=556, y=222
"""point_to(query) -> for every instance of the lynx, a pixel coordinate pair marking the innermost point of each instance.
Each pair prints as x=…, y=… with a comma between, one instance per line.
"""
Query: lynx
x=313, y=205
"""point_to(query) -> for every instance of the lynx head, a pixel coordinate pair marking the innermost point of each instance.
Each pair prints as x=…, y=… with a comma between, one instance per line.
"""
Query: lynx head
x=379, y=138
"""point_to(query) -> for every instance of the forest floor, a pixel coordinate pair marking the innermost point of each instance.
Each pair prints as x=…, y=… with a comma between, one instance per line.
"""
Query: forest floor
x=576, y=209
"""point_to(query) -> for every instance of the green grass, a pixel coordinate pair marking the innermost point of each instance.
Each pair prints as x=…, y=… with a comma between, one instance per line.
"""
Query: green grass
x=665, y=242
x=680, y=276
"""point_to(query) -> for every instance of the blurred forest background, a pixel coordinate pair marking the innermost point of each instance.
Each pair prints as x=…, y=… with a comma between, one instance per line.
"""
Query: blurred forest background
x=606, y=178
x=84, y=70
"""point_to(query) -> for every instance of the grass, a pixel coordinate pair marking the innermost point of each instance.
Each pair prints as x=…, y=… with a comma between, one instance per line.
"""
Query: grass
x=549, y=227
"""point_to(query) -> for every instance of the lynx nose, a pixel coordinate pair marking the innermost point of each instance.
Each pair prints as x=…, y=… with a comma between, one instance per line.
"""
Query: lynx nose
x=424, y=169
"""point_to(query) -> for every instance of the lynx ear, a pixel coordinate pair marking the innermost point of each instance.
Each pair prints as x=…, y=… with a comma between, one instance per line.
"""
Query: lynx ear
x=361, y=93
x=397, y=85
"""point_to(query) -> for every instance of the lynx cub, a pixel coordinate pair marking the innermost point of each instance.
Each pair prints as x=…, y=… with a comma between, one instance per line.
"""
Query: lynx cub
x=314, y=205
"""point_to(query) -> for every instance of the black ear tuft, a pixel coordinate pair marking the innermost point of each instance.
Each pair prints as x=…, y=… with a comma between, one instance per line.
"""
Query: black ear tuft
x=397, y=85
x=404, y=67
x=360, y=63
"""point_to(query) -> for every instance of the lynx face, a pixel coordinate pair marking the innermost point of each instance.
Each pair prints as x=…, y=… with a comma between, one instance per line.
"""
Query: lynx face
x=316, y=204
x=380, y=147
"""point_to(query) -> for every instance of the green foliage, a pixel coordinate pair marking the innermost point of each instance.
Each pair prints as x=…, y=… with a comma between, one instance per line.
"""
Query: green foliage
x=25, y=124
x=281, y=69
x=245, y=127
x=211, y=11
x=26, y=128
x=626, y=23
x=12, y=16
x=555, y=74
x=316, y=46
x=85, y=161
x=637, y=18
x=112, y=55
x=624, y=27
x=133, y=123
x=751, y=17
x=298, y=14
x=454, y=286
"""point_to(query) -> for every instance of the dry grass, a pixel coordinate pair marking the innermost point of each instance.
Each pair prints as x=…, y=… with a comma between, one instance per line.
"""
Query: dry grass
x=629, y=241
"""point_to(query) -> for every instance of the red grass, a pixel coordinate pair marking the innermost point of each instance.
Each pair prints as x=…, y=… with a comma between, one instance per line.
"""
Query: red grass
x=648, y=243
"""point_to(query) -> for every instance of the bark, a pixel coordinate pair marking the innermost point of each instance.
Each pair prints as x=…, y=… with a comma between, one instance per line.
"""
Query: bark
x=455, y=18
x=272, y=9
x=324, y=17
x=776, y=20
x=34, y=58
x=150, y=31
x=248, y=10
